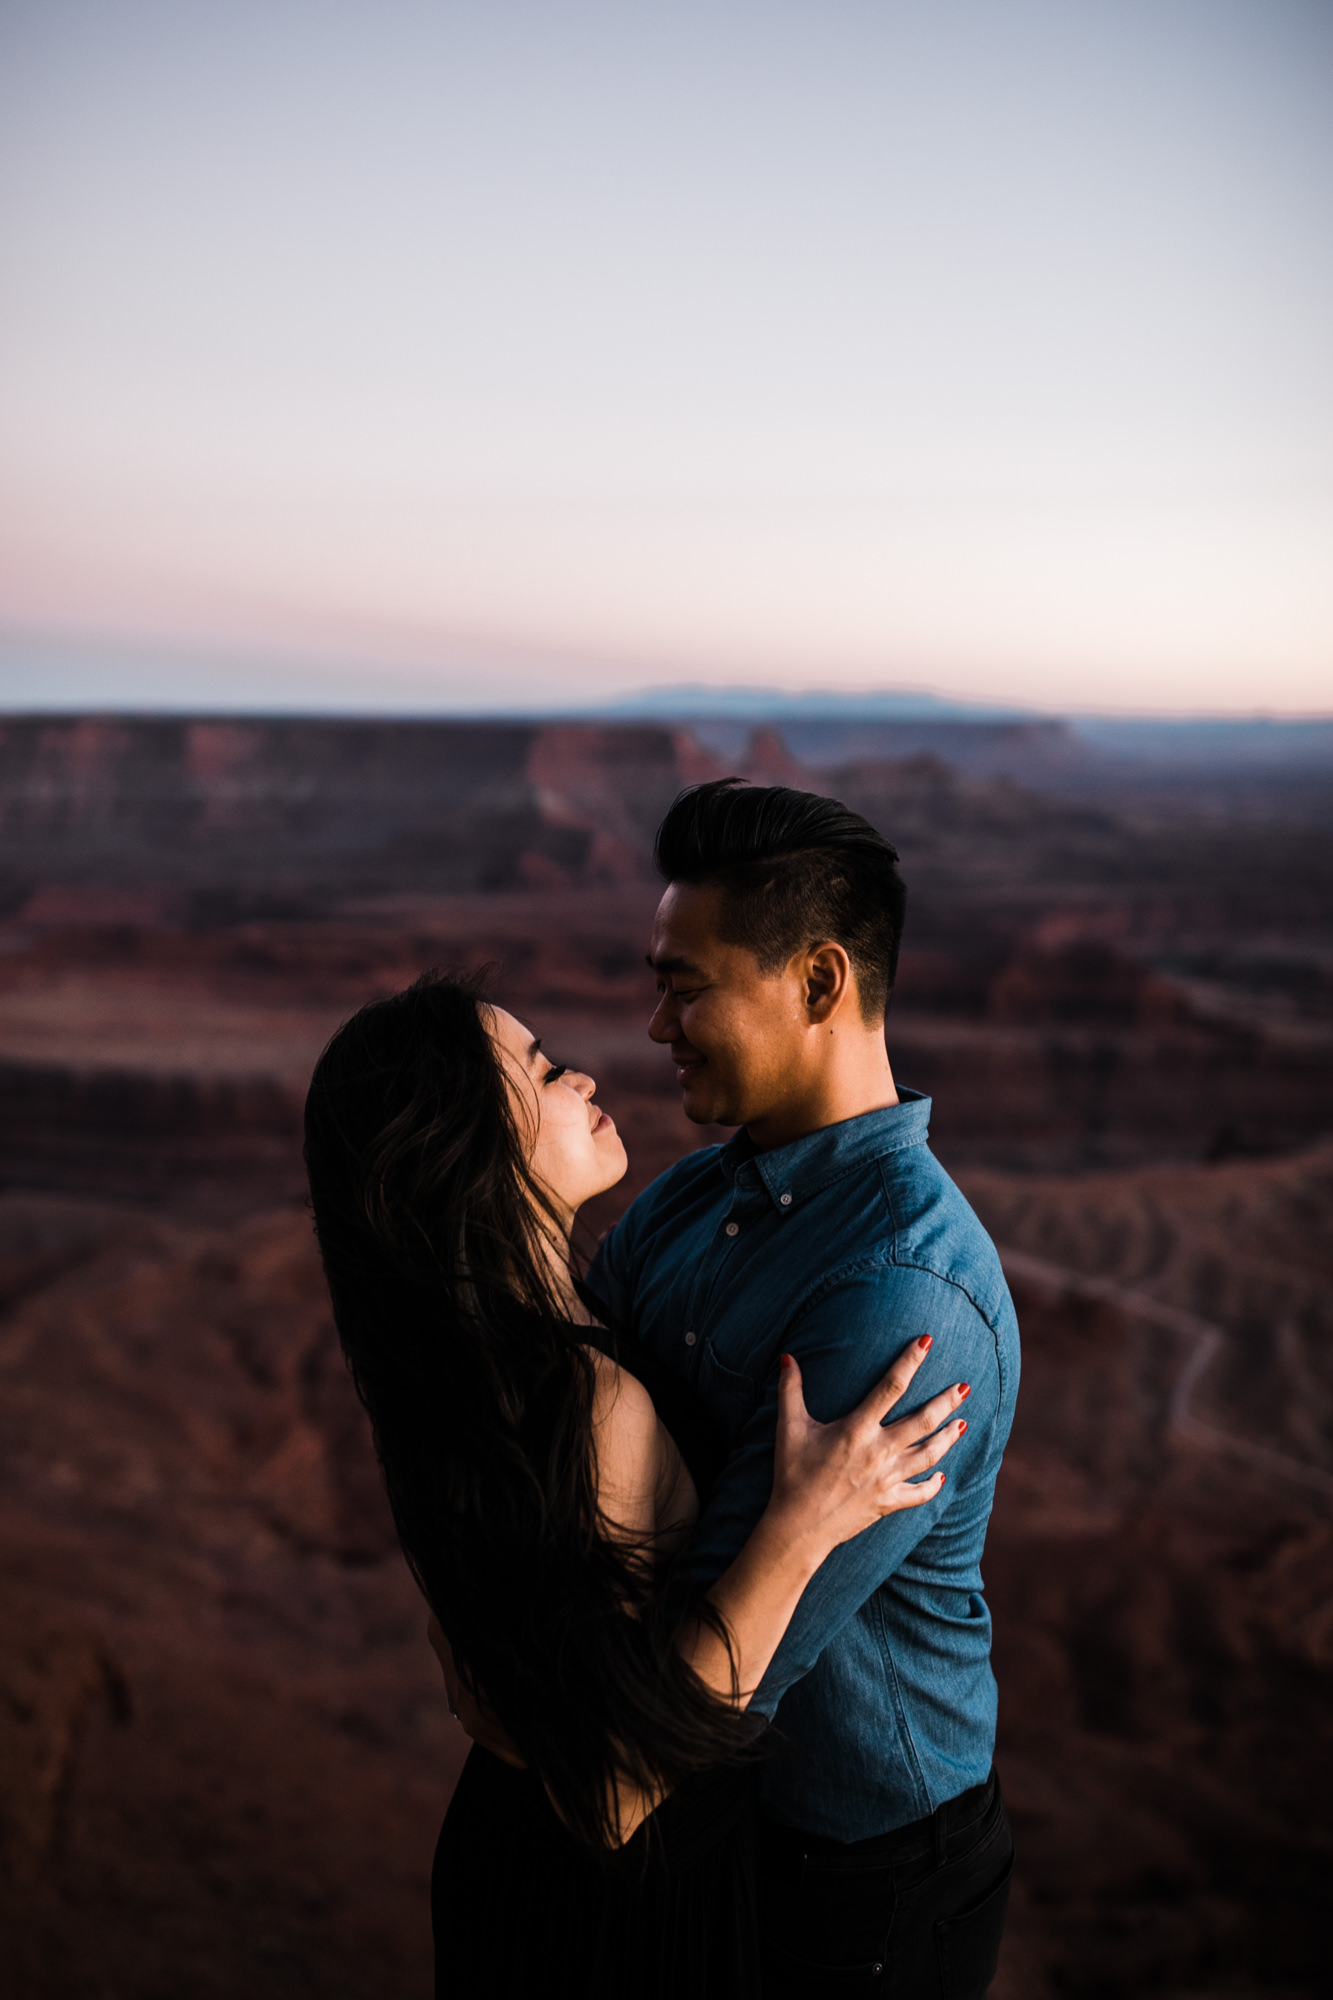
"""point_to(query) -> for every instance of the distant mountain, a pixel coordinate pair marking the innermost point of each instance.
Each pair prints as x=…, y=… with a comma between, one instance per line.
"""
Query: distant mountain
x=691, y=701
x=824, y=730
x=1030, y=750
x=996, y=740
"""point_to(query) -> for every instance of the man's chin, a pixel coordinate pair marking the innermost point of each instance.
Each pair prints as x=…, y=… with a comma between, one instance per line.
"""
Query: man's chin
x=703, y=1109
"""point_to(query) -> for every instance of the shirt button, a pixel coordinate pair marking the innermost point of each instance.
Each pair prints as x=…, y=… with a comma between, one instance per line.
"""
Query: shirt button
x=733, y=1229
x=785, y=1199
x=690, y=1339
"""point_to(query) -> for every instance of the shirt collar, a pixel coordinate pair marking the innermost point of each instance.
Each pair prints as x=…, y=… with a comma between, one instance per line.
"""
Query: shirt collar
x=791, y=1174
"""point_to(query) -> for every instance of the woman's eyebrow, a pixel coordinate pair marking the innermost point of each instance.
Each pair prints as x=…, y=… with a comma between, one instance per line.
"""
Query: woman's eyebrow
x=534, y=1047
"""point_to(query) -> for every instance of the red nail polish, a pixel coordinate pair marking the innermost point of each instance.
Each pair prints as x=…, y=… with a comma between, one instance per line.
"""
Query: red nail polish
x=785, y=1361
x=961, y=1429
x=924, y=1342
x=965, y=1388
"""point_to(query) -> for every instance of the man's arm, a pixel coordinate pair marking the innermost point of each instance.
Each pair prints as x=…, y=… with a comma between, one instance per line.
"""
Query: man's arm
x=843, y=1342
x=831, y=1481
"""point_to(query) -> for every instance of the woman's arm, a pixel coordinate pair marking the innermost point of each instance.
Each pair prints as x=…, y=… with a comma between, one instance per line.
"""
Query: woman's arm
x=477, y=1720
x=830, y=1482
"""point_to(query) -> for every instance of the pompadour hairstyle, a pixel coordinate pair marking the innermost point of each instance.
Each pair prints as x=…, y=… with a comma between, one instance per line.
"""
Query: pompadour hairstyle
x=795, y=870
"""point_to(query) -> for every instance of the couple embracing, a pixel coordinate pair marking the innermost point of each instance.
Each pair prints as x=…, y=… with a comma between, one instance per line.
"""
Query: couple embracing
x=700, y=1529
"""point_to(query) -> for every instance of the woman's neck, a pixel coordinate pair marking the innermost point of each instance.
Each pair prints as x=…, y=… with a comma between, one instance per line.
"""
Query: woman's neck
x=558, y=1260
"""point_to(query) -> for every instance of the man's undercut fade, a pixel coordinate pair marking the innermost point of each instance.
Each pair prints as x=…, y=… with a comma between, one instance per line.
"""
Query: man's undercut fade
x=796, y=870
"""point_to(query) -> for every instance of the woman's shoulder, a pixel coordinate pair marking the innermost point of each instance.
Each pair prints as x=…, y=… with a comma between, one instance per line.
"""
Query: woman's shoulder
x=627, y=1437
x=620, y=1403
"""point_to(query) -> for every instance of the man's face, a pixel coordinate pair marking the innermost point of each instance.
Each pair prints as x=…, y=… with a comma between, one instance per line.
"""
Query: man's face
x=737, y=1035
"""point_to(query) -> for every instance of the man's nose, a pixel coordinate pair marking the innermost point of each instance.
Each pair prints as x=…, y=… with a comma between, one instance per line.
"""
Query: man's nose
x=662, y=1026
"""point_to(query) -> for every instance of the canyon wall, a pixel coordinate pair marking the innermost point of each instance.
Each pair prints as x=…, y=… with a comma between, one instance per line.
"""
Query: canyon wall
x=225, y=1747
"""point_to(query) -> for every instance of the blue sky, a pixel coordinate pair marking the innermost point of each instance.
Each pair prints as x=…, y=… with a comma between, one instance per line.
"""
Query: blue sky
x=481, y=354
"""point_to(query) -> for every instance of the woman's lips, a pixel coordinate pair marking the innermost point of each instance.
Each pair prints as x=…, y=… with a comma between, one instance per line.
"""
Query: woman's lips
x=604, y=1122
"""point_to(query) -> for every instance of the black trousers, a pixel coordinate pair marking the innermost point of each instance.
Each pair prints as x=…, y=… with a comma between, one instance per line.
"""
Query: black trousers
x=916, y=1914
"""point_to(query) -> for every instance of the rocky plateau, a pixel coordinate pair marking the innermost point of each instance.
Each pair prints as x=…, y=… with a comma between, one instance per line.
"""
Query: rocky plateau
x=223, y=1745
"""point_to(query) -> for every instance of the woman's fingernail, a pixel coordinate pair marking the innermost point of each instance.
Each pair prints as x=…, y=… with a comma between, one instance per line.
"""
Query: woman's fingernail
x=961, y=1429
x=965, y=1388
x=785, y=1361
x=925, y=1341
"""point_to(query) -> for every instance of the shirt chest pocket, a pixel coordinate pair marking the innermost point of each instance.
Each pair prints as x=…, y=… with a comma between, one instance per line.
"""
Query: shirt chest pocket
x=730, y=1394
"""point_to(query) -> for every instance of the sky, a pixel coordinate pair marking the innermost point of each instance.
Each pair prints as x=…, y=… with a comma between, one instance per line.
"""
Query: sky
x=462, y=355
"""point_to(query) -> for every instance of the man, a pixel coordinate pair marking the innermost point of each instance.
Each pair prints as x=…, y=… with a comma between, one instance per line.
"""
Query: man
x=825, y=1228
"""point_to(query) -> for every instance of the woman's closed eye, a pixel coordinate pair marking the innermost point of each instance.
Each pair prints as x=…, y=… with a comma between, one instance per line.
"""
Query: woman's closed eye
x=555, y=1072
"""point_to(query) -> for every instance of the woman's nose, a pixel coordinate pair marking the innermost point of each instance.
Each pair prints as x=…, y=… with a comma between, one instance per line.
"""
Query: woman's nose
x=585, y=1085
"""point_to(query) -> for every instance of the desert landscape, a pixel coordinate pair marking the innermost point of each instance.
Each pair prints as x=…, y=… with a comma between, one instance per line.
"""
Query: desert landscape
x=225, y=1745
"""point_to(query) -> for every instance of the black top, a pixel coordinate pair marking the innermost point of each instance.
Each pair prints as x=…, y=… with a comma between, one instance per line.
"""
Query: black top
x=519, y=1906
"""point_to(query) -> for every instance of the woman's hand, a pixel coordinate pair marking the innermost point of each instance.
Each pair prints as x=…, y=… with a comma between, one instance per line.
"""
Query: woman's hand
x=831, y=1481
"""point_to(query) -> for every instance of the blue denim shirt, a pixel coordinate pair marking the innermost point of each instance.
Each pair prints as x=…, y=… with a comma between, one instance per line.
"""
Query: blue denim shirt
x=839, y=1249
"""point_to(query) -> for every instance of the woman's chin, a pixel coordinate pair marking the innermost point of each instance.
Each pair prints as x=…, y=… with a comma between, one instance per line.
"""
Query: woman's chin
x=614, y=1160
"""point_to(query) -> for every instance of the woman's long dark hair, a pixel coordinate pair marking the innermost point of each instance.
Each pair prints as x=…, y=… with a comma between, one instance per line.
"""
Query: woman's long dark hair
x=480, y=1393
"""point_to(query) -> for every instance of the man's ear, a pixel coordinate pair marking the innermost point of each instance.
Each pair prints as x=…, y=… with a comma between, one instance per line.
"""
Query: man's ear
x=828, y=981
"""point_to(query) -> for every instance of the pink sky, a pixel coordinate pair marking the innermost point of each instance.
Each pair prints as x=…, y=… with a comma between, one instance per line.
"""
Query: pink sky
x=494, y=352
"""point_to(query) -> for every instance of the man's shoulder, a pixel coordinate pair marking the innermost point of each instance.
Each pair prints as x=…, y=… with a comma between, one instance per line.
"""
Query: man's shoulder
x=931, y=1227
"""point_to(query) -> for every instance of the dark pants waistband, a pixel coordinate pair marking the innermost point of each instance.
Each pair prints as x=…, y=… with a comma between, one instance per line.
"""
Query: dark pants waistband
x=921, y=1837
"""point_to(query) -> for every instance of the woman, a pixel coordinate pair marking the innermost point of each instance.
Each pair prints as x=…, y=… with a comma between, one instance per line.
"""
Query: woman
x=541, y=1471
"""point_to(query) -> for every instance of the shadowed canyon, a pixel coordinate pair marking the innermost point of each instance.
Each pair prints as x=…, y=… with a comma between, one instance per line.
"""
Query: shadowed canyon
x=224, y=1745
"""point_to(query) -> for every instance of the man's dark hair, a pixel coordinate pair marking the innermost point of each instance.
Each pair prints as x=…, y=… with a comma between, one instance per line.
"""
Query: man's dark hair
x=795, y=870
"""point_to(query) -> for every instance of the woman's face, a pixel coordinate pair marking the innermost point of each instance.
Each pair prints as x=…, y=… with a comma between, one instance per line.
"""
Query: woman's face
x=575, y=1150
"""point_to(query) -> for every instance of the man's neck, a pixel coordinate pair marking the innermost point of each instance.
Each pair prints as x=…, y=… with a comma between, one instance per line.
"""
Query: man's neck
x=860, y=1081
